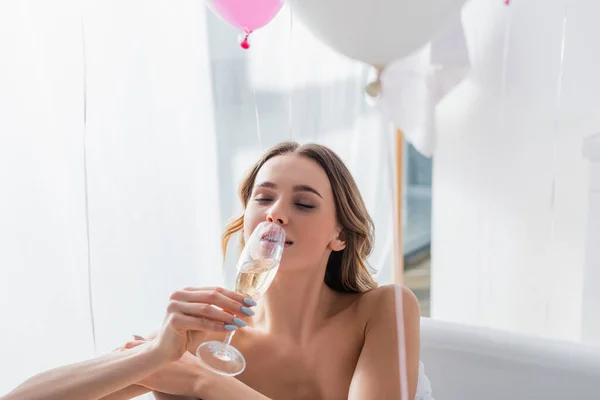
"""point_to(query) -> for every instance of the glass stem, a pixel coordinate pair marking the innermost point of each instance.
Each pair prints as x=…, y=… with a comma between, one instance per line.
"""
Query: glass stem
x=229, y=337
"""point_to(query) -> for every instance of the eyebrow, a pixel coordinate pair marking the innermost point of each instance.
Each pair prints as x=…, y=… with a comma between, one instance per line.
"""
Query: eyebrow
x=297, y=188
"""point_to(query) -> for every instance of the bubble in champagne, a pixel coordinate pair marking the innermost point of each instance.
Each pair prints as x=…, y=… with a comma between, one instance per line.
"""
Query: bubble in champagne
x=255, y=277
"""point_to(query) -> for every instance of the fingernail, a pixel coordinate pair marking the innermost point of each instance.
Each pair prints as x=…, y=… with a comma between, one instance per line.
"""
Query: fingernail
x=247, y=311
x=230, y=327
x=249, y=301
x=239, y=322
x=136, y=337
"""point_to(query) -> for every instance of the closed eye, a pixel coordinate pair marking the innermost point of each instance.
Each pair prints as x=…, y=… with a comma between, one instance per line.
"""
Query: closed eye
x=264, y=200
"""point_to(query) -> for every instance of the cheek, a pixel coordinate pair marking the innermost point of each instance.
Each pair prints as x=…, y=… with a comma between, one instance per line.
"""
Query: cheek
x=316, y=235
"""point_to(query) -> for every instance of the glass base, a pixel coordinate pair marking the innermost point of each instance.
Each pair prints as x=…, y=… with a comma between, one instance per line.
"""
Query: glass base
x=222, y=358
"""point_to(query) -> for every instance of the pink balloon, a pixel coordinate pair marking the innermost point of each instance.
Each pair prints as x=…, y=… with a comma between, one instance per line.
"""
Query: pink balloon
x=246, y=15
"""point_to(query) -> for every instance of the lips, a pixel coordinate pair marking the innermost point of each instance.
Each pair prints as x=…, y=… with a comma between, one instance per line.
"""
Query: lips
x=269, y=237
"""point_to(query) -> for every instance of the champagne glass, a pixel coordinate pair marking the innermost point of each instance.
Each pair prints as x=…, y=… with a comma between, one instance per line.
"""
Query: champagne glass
x=256, y=269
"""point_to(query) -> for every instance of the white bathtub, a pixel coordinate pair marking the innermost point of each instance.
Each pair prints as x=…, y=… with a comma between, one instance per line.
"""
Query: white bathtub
x=472, y=363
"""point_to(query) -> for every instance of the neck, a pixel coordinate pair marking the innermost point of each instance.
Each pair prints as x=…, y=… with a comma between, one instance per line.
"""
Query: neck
x=296, y=304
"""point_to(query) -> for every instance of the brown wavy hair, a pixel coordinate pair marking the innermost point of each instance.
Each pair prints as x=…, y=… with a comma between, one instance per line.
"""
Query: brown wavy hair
x=347, y=270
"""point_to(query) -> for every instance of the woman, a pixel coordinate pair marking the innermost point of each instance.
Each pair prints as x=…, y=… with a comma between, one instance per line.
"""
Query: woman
x=324, y=330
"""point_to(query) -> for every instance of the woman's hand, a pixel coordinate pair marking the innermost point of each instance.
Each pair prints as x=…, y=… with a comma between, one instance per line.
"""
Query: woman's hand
x=183, y=377
x=194, y=311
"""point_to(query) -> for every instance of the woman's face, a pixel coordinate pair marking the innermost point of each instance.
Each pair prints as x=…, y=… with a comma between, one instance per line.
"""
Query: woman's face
x=295, y=192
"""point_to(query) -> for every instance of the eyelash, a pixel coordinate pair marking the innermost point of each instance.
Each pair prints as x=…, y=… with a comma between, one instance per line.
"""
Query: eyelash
x=303, y=206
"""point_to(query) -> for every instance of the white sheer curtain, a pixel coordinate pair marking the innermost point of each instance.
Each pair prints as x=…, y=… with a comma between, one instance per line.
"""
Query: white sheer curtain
x=154, y=221
x=140, y=117
x=44, y=305
x=151, y=174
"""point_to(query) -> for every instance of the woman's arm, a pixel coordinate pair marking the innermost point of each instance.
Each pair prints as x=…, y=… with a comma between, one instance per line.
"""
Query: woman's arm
x=217, y=387
x=137, y=390
x=95, y=378
x=189, y=314
x=164, y=396
x=128, y=393
x=377, y=373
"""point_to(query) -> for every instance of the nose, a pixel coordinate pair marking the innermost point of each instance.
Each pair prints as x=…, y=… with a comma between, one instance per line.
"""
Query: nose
x=277, y=215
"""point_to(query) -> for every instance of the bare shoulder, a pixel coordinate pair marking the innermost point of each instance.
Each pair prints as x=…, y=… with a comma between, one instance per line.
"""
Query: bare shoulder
x=379, y=365
x=383, y=302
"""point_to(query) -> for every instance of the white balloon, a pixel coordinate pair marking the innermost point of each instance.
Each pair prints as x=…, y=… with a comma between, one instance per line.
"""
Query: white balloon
x=375, y=31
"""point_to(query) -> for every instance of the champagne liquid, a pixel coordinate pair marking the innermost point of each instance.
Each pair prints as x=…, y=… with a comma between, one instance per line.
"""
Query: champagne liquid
x=255, y=277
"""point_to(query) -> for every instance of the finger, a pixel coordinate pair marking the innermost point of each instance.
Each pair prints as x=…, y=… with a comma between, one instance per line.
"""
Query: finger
x=240, y=298
x=203, y=310
x=182, y=322
x=134, y=343
x=213, y=297
x=129, y=345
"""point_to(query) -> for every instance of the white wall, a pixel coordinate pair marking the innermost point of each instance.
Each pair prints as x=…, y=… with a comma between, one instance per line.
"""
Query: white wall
x=508, y=249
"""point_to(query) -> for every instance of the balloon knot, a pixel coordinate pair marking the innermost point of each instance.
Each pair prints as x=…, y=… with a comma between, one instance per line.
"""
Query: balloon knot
x=245, y=43
x=245, y=39
x=373, y=89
